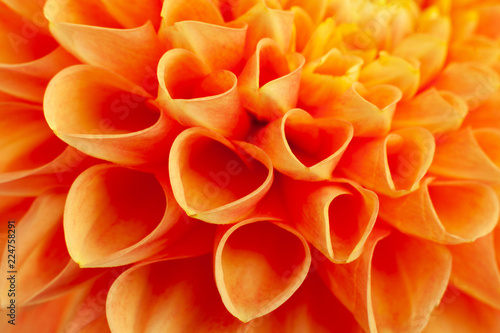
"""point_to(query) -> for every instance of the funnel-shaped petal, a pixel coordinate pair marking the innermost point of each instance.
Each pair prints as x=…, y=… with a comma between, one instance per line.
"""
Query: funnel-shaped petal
x=258, y=266
x=336, y=217
x=369, y=110
x=469, y=154
x=120, y=123
x=393, y=165
x=140, y=213
x=29, y=80
x=269, y=83
x=302, y=147
x=394, y=285
x=437, y=111
x=217, y=180
x=474, y=82
x=193, y=95
x=168, y=296
x=327, y=77
x=97, y=39
x=447, y=212
x=393, y=70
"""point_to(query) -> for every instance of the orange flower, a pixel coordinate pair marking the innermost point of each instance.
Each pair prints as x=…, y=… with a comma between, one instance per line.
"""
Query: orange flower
x=250, y=166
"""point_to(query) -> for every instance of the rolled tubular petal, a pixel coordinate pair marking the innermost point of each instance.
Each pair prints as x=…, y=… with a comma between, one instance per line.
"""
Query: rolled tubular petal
x=168, y=296
x=193, y=95
x=475, y=270
x=302, y=147
x=393, y=165
x=43, y=254
x=219, y=47
x=469, y=154
x=217, y=190
x=394, y=285
x=393, y=70
x=437, y=111
x=84, y=35
x=120, y=123
x=269, y=83
x=33, y=158
x=255, y=273
x=327, y=77
x=447, y=212
x=369, y=110
x=29, y=80
x=136, y=215
x=474, y=82
x=461, y=313
x=336, y=217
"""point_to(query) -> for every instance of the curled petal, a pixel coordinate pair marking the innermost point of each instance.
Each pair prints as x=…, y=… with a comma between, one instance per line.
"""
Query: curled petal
x=254, y=272
x=327, y=77
x=217, y=190
x=33, y=10
x=303, y=28
x=140, y=213
x=336, y=217
x=302, y=147
x=269, y=83
x=193, y=95
x=429, y=50
x=120, y=123
x=469, y=154
x=447, y=212
x=190, y=10
x=219, y=47
x=29, y=80
x=139, y=47
x=369, y=110
x=180, y=295
x=461, y=313
x=474, y=82
x=475, y=270
x=393, y=70
x=393, y=165
x=438, y=111
x=394, y=285
x=134, y=13
x=266, y=22
x=320, y=41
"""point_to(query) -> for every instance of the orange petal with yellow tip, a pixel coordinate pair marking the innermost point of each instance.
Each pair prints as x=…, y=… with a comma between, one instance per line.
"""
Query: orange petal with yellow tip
x=435, y=21
x=180, y=295
x=269, y=83
x=302, y=147
x=134, y=206
x=393, y=165
x=439, y=111
x=336, y=216
x=217, y=190
x=449, y=212
x=472, y=81
x=254, y=273
x=264, y=21
x=369, y=110
x=486, y=115
x=469, y=154
x=393, y=70
x=328, y=77
x=394, y=285
x=460, y=313
x=429, y=50
x=303, y=28
x=120, y=123
x=312, y=308
x=134, y=13
x=43, y=253
x=193, y=95
x=475, y=270
x=219, y=47
x=315, y=9
x=190, y=10
x=321, y=40
x=29, y=80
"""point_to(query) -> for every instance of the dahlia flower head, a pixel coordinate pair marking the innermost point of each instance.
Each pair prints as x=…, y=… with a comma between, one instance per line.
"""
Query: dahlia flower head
x=250, y=166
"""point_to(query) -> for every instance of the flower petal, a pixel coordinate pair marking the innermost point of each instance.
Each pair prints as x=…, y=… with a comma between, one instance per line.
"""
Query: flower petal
x=254, y=273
